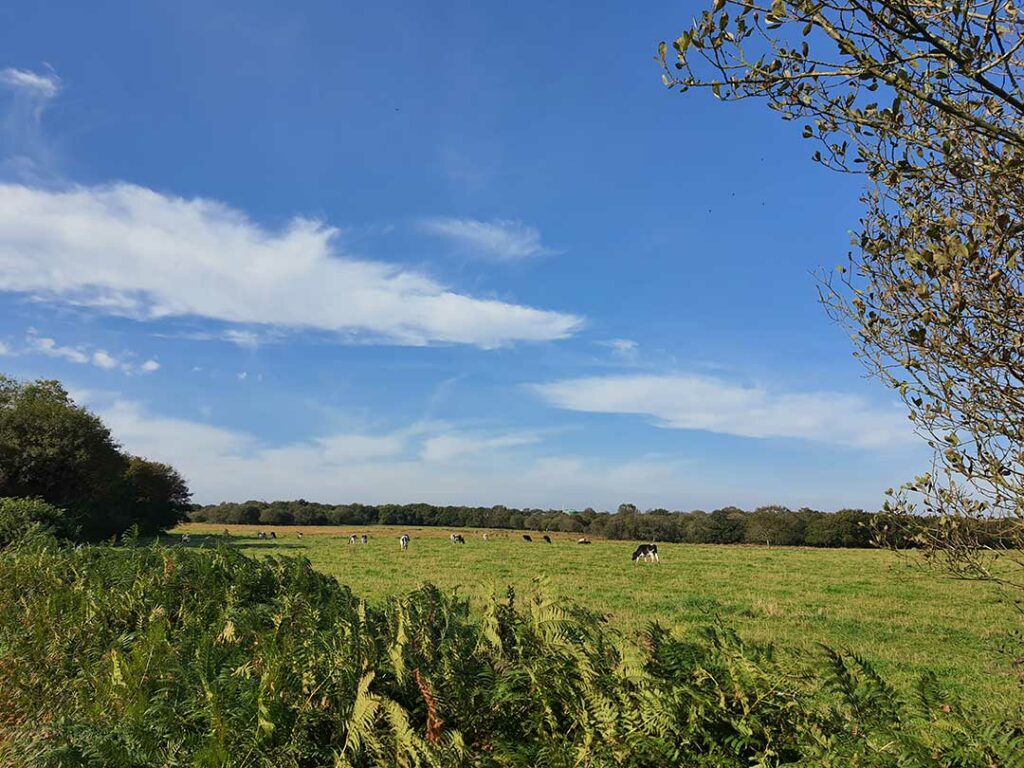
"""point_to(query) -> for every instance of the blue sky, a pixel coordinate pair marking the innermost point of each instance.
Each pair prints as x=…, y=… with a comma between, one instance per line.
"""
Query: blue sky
x=452, y=252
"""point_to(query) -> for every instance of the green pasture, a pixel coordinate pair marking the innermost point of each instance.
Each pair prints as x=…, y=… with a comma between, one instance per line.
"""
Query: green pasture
x=902, y=617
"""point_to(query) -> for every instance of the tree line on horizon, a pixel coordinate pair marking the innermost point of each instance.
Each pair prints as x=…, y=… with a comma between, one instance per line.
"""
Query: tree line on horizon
x=773, y=525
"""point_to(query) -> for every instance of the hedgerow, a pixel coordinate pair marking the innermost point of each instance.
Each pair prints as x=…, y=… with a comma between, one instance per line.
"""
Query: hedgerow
x=151, y=656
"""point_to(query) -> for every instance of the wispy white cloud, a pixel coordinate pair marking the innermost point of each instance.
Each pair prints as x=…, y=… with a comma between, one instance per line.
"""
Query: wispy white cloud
x=24, y=151
x=714, y=405
x=622, y=346
x=623, y=350
x=497, y=240
x=83, y=354
x=45, y=86
x=49, y=347
x=129, y=251
x=242, y=338
x=451, y=446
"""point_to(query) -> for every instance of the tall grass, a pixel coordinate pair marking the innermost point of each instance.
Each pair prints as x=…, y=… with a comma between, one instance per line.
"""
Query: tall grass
x=150, y=656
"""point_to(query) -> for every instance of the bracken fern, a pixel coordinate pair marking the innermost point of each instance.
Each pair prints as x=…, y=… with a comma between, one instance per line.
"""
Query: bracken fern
x=147, y=656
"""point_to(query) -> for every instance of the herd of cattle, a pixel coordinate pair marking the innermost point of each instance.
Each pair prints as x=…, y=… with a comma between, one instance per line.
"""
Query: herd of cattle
x=645, y=552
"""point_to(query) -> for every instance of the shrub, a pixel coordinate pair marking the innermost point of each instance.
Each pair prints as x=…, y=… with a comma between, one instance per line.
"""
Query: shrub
x=117, y=656
x=20, y=518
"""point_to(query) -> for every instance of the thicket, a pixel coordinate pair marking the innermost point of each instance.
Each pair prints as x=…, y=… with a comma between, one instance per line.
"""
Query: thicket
x=774, y=525
x=129, y=656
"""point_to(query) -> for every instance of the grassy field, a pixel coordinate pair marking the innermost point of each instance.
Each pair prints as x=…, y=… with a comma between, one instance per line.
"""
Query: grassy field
x=900, y=617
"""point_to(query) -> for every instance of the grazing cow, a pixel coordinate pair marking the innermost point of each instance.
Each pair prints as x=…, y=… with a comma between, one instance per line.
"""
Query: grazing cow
x=364, y=538
x=352, y=539
x=185, y=538
x=261, y=535
x=227, y=532
x=485, y=537
x=457, y=538
x=584, y=540
x=404, y=541
x=648, y=552
x=527, y=537
x=547, y=538
x=300, y=534
x=273, y=535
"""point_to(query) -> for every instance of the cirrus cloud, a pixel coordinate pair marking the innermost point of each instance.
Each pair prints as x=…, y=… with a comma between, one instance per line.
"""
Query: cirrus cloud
x=127, y=250
x=44, y=86
x=498, y=240
x=24, y=152
x=685, y=401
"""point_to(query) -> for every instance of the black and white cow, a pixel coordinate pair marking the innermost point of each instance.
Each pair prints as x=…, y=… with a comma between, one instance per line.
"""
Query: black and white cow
x=527, y=537
x=648, y=552
x=300, y=534
x=261, y=535
x=352, y=539
x=404, y=541
x=457, y=538
x=547, y=538
x=273, y=535
x=185, y=538
x=584, y=540
x=364, y=538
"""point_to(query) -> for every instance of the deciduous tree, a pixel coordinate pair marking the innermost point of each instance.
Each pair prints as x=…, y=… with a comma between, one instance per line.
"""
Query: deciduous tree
x=924, y=99
x=158, y=497
x=55, y=450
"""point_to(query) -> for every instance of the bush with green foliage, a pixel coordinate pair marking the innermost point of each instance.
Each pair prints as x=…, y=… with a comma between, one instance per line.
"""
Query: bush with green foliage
x=126, y=656
x=20, y=518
